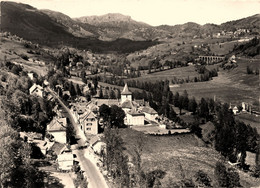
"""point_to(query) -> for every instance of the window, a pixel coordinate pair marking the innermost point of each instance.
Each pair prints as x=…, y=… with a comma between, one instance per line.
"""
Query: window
x=88, y=129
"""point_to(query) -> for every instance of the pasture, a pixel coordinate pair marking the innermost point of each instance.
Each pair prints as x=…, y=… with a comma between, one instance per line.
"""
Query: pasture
x=178, y=156
x=231, y=86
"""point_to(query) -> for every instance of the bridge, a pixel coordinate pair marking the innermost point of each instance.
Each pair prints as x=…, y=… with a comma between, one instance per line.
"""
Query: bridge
x=211, y=59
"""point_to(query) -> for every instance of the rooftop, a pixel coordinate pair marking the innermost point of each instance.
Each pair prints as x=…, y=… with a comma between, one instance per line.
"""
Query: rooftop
x=57, y=124
x=126, y=91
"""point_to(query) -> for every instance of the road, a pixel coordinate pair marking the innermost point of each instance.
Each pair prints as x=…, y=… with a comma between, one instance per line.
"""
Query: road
x=94, y=177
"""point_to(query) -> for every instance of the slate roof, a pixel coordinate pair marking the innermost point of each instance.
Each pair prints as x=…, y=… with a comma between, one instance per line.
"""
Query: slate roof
x=133, y=112
x=34, y=87
x=149, y=110
x=57, y=124
x=87, y=114
x=126, y=91
x=127, y=104
x=58, y=148
x=108, y=102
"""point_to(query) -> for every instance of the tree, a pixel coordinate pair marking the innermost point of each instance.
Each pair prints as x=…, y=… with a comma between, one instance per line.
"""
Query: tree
x=176, y=99
x=192, y=107
x=15, y=167
x=203, y=108
x=105, y=112
x=226, y=177
x=115, y=160
x=225, y=137
x=203, y=179
x=78, y=90
x=117, y=116
x=72, y=90
x=111, y=94
x=181, y=103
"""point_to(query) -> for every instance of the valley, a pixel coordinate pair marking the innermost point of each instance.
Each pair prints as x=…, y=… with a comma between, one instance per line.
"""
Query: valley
x=121, y=103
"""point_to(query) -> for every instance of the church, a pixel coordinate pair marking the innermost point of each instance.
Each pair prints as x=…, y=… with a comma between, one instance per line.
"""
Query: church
x=130, y=107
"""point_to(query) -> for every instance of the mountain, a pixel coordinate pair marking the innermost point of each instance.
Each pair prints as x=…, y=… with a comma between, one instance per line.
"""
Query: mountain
x=75, y=28
x=115, y=25
x=55, y=29
x=251, y=22
x=102, y=33
x=31, y=24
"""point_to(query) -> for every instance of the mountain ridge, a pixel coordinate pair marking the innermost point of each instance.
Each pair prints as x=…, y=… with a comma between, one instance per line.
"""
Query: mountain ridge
x=51, y=26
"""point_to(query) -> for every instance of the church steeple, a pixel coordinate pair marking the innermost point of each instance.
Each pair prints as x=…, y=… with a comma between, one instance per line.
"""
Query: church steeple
x=126, y=94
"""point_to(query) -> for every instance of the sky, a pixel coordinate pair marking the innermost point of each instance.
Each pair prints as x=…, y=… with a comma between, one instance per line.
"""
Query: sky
x=156, y=12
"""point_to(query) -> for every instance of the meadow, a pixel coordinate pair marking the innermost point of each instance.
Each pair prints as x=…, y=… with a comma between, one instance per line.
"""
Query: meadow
x=178, y=156
x=231, y=86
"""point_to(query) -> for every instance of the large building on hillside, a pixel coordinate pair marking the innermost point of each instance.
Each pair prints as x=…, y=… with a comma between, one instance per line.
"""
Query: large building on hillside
x=133, y=116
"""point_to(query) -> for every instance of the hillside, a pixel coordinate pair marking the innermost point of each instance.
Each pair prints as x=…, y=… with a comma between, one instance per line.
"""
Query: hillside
x=34, y=25
x=251, y=22
x=114, y=25
x=77, y=29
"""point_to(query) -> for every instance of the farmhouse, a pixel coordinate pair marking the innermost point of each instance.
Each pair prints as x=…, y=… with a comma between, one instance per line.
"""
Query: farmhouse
x=57, y=128
x=36, y=90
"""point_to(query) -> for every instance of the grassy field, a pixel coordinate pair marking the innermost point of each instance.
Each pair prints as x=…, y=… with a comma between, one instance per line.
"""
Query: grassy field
x=233, y=86
x=173, y=153
x=10, y=50
x=253, y=120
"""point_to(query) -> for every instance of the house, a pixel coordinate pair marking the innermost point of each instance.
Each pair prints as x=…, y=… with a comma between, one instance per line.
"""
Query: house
x=134, y=118
x=57, y=128
x=77, y=110
x=36, y=138
x=58, y=148
x=36, y=90
x=65, y=161
x=149, y=113
x=66, y=93
x=89, y=122
x=30, y=75
x=97, y=144
x=234, y=109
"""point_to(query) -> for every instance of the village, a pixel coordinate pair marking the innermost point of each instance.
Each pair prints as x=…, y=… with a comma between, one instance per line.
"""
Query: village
x=107, y=101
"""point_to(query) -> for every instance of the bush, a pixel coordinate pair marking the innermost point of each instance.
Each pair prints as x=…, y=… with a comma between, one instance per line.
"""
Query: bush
x=25, y=57
x=203, y=179
x=226, y=177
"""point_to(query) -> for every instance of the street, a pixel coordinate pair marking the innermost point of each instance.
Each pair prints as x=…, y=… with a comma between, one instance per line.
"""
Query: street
x=94, y=177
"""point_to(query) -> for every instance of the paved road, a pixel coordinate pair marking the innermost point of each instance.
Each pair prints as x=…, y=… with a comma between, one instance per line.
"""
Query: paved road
x=95, y=178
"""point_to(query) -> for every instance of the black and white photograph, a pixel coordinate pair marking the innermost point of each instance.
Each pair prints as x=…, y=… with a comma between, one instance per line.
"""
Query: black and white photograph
x=129, y=93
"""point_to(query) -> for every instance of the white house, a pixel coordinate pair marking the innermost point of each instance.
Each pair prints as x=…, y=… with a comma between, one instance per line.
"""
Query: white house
x=134, y=118
x=57, y=128
x=36, y=90
x=30, y=75
x=65, y=161
x=149, y=113
x=89, y=122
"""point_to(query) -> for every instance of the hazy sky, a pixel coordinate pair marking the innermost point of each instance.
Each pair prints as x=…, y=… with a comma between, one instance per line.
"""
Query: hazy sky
x=156, y=12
